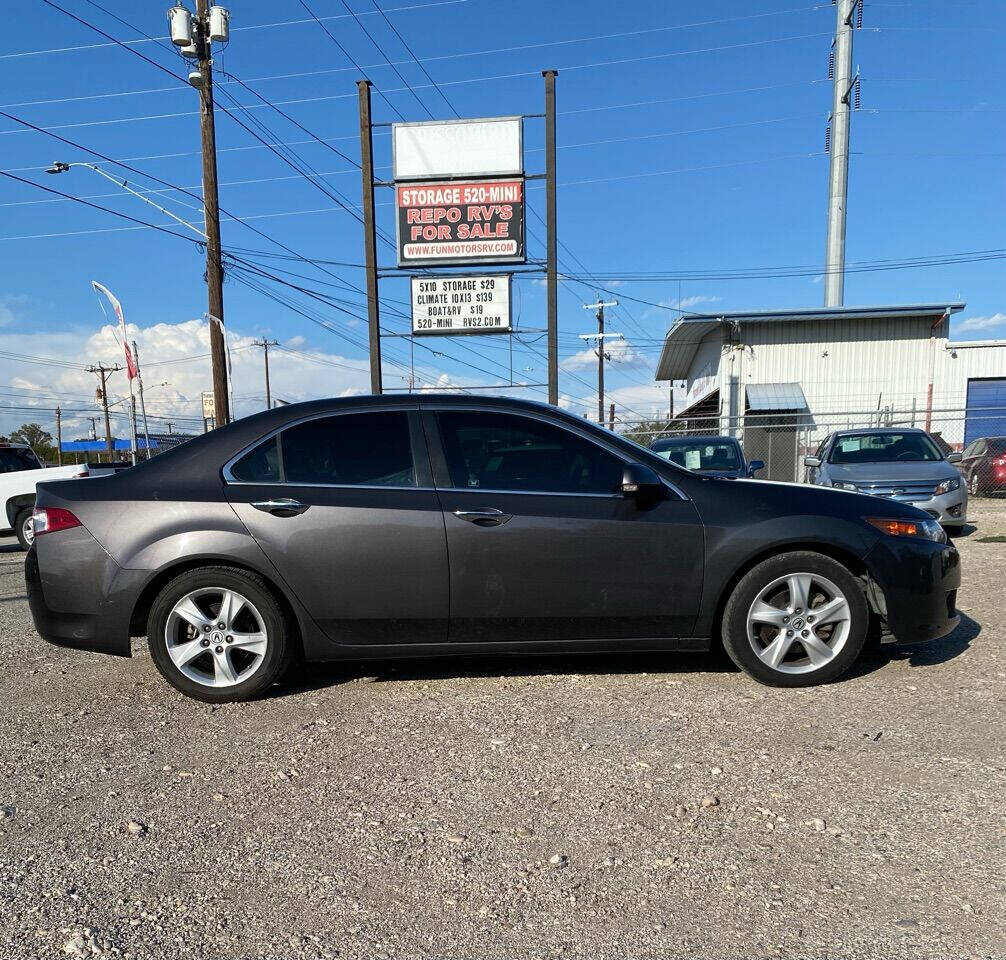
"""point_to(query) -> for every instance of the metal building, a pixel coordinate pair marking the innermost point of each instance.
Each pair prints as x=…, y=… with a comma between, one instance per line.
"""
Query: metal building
x=782, y=379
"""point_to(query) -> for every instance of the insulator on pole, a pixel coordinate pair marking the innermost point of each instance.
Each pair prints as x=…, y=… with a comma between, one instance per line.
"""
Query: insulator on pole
x=859, y=98
x=859, y=15
x=831, y=65
x=827, y=139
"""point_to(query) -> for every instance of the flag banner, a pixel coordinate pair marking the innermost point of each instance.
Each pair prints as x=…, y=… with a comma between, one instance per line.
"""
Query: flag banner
x=131, y=370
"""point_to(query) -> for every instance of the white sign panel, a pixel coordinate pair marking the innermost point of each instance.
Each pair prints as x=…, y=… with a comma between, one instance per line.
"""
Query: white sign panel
x=453, y=305
x=457, y=148
x=209, y=406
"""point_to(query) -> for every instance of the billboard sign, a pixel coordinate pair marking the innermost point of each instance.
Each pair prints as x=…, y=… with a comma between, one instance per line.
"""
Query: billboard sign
x=461, y=304
x=490, y=147
x=460, y=222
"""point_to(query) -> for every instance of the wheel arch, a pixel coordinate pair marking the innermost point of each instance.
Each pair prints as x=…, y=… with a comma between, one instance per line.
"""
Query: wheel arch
x=847, y=558
x=17, y=503
x=153, y=587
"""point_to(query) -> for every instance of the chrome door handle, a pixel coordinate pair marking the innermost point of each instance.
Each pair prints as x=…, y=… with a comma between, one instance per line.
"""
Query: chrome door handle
x=483, y=518
x=283, y=507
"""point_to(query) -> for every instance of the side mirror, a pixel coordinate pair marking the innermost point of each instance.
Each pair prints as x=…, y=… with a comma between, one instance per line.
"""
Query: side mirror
x=640, y=483
x=954, y=457
x=754, y=466
x=812, y=461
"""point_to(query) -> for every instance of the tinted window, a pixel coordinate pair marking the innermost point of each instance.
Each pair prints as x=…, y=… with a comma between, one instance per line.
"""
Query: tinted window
x=883, y=448
x=704, y=455
x=261, y=465
x=498, y=451
x=371, y=449
x=13, y=459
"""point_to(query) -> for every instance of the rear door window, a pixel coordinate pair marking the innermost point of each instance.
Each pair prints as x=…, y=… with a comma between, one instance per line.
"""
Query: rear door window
x=15, y=459
x=500, y=451
x=355, y=449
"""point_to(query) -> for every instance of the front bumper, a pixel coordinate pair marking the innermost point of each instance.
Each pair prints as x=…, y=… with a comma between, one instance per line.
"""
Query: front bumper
x=83, y=599
x=950, y=508
x=919, y=580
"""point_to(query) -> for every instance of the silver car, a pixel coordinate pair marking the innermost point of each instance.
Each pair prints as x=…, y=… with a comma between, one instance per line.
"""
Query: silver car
x=902, y=463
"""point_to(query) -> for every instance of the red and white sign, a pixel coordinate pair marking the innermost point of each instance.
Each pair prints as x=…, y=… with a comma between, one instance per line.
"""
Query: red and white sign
x=460, y=222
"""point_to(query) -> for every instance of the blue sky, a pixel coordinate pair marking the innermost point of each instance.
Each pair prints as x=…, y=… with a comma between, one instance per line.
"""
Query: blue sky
x=690, y=139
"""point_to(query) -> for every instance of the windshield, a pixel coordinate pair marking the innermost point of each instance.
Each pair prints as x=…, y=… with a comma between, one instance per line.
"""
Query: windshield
x=884, y=448
x=13, y=459
x=701, y=454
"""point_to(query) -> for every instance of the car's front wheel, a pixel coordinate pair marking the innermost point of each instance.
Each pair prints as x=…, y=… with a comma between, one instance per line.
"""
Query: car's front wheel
x=796, y=620
x=974, y=486
x=218, y=634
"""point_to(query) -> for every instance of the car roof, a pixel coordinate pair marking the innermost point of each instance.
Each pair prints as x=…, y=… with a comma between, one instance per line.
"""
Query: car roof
x=869, y=431
x=697, y=438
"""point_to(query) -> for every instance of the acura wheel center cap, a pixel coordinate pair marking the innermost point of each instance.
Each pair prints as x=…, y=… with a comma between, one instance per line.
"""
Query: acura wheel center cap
x=217, y=637
x=798, y=623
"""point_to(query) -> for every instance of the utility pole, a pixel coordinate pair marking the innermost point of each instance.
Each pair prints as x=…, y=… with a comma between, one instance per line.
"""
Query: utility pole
x=600, y=351
x=102, y=371
x=59, y=437
x=265, y=345
x=611, y=416
x=838, y=143
x=370, y=235
x=551, y=222
x=143, y=405
x=195, y=35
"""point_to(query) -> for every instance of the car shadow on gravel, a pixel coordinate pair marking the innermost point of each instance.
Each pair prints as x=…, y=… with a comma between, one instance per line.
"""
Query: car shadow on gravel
x=315, y=676
x=918, y=655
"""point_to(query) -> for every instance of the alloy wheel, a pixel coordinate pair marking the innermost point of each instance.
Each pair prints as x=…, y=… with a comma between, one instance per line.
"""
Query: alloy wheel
x=798, y=623
x=216, y=637
x=28, y=530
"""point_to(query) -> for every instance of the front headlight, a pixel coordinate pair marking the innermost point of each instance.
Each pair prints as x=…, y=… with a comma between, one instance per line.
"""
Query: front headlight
x=844, y=485
x=952, y=483
x=926, y=529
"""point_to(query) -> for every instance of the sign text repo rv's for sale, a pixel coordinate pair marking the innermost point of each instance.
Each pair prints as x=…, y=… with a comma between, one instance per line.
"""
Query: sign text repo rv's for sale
x=461, y=222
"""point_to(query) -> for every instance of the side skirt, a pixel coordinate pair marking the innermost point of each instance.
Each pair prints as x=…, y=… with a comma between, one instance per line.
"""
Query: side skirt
x=411, y=651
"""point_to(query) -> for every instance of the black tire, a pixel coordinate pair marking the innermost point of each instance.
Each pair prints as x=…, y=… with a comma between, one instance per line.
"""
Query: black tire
x=974, y=487
x=23, y=517
x=755, y=581
x=280, y=633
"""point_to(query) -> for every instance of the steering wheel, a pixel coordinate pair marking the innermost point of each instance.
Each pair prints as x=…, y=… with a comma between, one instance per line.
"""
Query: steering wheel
x=908, y=455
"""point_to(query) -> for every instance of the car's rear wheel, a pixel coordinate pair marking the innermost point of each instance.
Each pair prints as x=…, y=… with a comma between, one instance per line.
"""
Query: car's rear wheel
x=974, y=486
x=218, y=634
x=796, y=620
x=24, y=528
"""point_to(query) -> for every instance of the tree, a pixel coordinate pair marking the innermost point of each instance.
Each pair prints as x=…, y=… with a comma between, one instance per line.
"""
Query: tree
x=33, y=434
x=39, y=439
x=645, y=432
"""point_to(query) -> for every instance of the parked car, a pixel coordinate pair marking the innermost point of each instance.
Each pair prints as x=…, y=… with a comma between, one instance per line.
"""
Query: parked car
x=418, y=526
x=901, y=464
x=983, y=466
x=20, y=471
x=713, y=456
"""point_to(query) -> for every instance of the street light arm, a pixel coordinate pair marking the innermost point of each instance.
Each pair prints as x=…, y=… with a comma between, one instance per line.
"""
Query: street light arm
x=125, y=186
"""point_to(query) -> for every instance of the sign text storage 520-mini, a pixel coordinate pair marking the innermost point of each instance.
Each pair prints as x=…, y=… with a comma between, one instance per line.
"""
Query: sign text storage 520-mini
x=461, y=304
x=454, y=223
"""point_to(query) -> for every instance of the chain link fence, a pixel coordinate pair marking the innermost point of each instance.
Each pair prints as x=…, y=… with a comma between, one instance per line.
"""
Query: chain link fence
x=782, y=440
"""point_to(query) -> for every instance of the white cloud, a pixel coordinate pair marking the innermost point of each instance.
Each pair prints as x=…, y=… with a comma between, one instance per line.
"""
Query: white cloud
x=621, y=352
x=989, y=322
x=685, y=303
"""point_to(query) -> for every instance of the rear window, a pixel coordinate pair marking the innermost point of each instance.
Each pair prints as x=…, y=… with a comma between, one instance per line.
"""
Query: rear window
x=13, y=459
x=884, y=448
x=708, y=455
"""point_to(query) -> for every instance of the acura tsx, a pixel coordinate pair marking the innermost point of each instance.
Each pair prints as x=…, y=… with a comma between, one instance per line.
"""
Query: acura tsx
x=417, y=526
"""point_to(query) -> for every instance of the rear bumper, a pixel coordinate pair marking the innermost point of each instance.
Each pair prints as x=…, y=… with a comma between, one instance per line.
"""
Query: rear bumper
x=83, y=599
x=919, y=580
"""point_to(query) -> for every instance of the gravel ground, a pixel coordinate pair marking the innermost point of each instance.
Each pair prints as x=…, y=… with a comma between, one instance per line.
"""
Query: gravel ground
x=577, y=807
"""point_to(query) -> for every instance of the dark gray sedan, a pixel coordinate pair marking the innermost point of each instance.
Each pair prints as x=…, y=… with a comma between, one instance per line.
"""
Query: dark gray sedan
x=429, y=525
x=713, y=456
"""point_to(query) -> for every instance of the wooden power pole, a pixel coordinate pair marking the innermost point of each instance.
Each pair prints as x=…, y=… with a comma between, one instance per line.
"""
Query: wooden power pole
x=102, y=371
x=265, y=345
x=214, y=265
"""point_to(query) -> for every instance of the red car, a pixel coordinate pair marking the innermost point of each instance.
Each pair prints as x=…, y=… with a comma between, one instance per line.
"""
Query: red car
x=983, y=465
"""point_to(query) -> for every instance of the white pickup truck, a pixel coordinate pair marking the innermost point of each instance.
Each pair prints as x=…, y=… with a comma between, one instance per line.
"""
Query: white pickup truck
x=20, y=470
